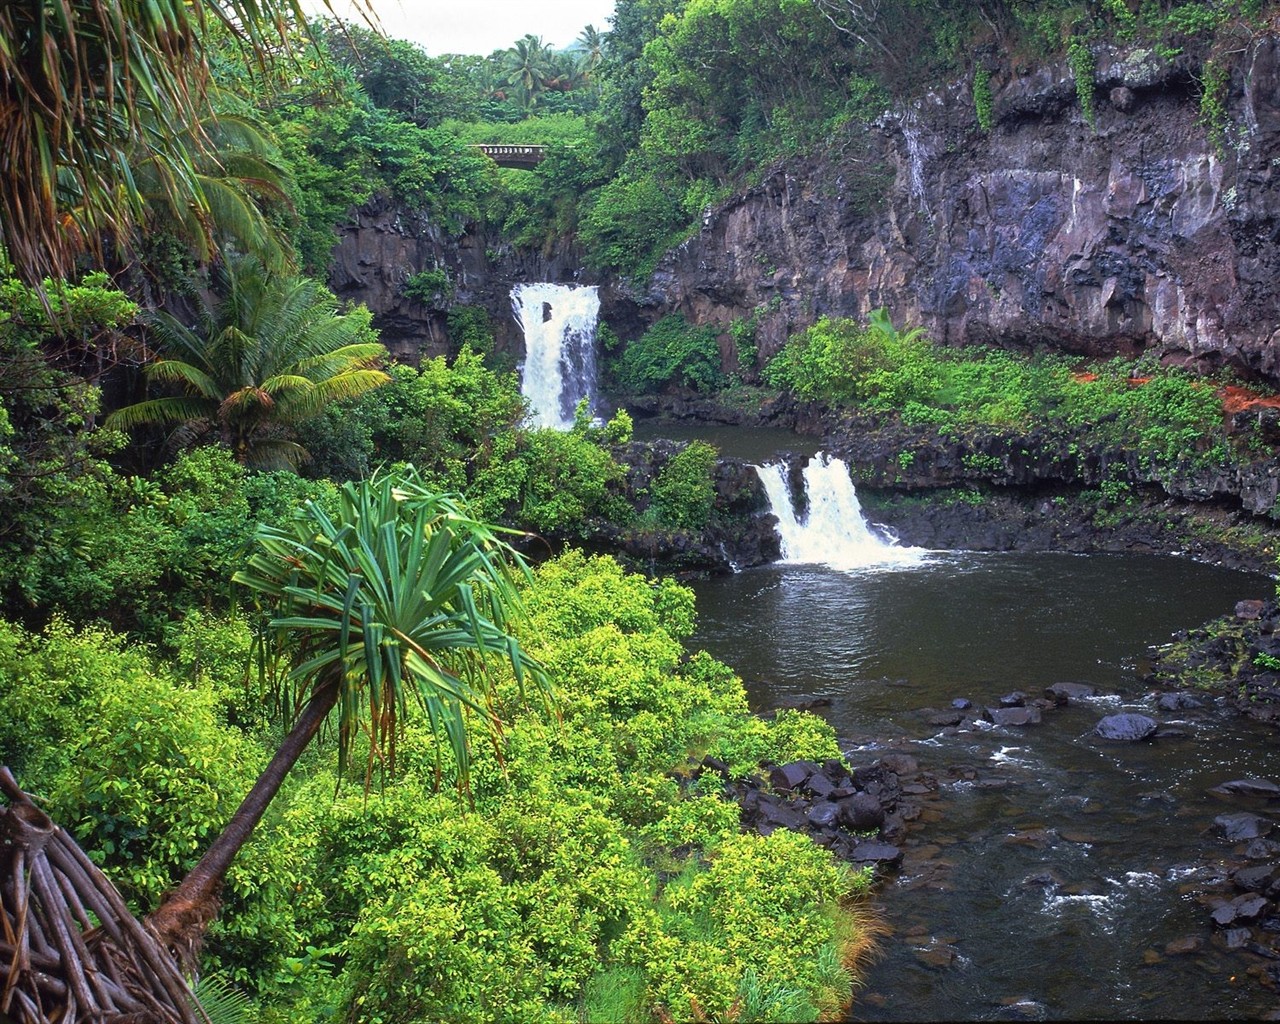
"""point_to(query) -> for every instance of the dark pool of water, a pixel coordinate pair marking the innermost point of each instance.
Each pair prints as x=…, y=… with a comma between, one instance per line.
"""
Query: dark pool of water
x=1124, y=830
x=752, y=444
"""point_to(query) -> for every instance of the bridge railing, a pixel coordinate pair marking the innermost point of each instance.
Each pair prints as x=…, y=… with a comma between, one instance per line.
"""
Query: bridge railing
x=512, y=156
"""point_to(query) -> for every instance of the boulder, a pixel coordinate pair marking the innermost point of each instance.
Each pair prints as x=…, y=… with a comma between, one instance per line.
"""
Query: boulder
x=822, y=814
x=1065, y=693
x=1237, y=938
x=1248, y=787
x=874, y=852
x=1248, y=611
x=900, y=764
x=1238, y=827
x=1126, y=727
x=1014, y=716
x=1240, y=910
x=861, y=812
x=1178, y=702
x=786, y=777
x=1256, y=878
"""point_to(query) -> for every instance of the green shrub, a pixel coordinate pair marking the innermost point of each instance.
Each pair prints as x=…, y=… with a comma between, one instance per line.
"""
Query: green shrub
x=683, y=492
x=721, y=931
x=138, y=766
x=442, y=416
x=983, y=104
x=836, y=360
x=628, y=223
x=552, y=481
x=1083, y=65
x=431, y=287
x=671, y=352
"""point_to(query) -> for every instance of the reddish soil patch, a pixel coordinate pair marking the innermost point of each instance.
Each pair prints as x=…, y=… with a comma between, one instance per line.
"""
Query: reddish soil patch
x=1237, y=399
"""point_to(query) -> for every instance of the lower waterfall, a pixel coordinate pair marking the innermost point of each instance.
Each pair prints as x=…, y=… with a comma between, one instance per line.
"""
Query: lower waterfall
x=832, y=531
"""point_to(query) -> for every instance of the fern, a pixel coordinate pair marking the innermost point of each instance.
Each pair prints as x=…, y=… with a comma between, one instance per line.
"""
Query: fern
x=221, y=1001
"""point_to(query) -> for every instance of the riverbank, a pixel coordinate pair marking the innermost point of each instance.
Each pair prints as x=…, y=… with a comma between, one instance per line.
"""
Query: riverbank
x=1038, y=490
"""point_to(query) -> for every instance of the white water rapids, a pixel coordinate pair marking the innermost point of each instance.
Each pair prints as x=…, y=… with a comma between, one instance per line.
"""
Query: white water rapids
x=833, y=531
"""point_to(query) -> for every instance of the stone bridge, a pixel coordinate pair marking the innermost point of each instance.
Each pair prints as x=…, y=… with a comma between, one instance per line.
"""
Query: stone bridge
x=513, y=156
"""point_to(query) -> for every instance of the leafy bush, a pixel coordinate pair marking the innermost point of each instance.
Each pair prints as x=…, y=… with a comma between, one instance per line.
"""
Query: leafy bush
x=671, y=352
x=137, y=552
x=627, y=223
x=552, y=481
x=138, y=765
x=442, y=417
x=431, y=287
x=837, y=360
x=683, y=491
x=723, y=930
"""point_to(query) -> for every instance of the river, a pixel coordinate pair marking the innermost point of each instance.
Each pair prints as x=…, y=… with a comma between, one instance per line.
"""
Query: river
x=1050, y=871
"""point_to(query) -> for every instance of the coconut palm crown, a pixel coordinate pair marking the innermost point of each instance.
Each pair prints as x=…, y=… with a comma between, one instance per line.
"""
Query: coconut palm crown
x=273, y=353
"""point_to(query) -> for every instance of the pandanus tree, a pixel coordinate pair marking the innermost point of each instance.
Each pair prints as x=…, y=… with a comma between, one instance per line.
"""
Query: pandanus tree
x=400, y=602
x=272, y=352
x=90, y=91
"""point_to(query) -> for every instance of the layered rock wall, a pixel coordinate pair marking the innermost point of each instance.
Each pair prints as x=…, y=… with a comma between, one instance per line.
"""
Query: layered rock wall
x=382, y=246
x=1141, y=231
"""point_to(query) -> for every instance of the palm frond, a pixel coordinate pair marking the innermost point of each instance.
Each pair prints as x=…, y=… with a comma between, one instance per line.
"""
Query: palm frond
x=406, y=598
x=92, y=89
x=159, y=410
x=175, y=371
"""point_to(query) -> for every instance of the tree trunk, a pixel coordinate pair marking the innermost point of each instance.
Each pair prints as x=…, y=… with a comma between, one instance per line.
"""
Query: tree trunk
x=186, y=913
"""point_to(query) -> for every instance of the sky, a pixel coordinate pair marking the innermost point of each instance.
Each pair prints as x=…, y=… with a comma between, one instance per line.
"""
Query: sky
x=481, y=26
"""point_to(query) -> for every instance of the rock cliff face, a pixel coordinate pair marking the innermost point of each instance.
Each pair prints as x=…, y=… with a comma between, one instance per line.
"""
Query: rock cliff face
x=1137, y=232
x=382, y=246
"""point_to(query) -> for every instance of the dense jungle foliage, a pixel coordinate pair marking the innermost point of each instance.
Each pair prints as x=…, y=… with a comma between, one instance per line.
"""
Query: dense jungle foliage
x=179, y=392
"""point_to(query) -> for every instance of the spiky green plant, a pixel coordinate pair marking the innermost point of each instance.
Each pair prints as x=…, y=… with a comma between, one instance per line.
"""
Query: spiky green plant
x=401, y=600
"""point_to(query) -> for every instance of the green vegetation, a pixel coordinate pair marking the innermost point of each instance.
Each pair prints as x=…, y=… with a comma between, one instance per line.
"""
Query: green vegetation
x=1167, y=417
x=671, y=352
x=273, y=353
x=983, y=103
x=683, y=492
x=516, y=832
x=586, y=873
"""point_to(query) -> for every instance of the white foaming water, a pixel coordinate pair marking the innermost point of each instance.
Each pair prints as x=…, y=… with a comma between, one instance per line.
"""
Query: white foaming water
x=559, y=324
x=834, y=531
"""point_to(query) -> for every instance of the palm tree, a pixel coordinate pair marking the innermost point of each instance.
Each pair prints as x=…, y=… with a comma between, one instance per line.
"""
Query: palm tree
x=239, y=166
x=590, y=46
x=273, y=353
x=528, y=64
x=89, y=90
x=402, y=599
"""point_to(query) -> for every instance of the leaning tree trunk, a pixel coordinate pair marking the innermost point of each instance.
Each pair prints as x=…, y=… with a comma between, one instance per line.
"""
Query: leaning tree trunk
x=70, y=949
x=186, y=913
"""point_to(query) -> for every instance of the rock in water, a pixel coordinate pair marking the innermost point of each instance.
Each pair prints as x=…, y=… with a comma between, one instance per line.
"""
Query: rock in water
x=1127, y=727
x=1239, y=827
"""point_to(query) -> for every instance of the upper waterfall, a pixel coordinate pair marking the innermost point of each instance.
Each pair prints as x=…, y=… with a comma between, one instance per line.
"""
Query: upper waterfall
x=559, y=324
x=833, y=531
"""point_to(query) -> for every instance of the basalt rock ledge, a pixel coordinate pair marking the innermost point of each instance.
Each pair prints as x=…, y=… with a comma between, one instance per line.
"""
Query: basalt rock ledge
x=1145, y=230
